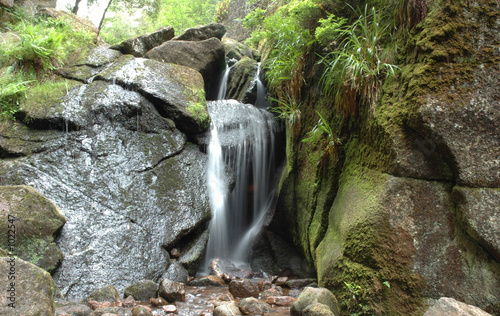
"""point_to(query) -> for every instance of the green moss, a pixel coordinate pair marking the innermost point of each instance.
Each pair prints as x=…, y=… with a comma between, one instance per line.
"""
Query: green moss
x=197, y=108
x=46, y=97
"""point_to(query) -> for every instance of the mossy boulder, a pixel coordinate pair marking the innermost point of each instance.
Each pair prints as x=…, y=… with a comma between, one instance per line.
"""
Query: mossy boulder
x=175, y=90
x=35, y=221
x=236, y=50
x=205, y=56
x=33, y=288
x=142, y=291
x=106, y=294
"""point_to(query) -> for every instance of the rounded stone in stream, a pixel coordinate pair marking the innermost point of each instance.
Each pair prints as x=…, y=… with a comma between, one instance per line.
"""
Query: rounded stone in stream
x=172, y=291
x=243, y=288
x=106, y=294
x=228, y=309
x=142, y=290
x=252, y=306
x=312, y=296
x=141, y=311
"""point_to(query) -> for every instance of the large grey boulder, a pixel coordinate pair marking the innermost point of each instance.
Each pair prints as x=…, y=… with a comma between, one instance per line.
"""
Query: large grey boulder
x=140, y=45
x=176, y=272
x=30, y=293
x=236, y=50
x=127, y=181
x=35, y=221
x=205, y=56
x=467, y=131
x=176, y=91
x=446, y=306
x=202, y=33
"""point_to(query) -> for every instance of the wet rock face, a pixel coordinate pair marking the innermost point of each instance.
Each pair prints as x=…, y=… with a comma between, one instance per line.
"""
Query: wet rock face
x=35, y=220
x=121, y=173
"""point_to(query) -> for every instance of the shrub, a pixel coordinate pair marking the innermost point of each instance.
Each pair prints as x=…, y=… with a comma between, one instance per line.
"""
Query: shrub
x=12, y=87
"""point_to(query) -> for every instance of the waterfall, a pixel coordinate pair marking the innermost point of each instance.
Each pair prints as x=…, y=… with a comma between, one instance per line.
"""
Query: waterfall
x=261, y=101
x=223, y=83
x=241, y=174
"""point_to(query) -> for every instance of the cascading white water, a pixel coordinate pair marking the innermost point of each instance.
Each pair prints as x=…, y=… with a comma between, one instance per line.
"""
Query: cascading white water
x=261, y=100
x=241, y=176
x=242, y=143
x=221, y=95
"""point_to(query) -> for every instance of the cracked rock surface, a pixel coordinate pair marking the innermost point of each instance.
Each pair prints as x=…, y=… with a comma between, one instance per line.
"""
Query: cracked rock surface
x=123, y=175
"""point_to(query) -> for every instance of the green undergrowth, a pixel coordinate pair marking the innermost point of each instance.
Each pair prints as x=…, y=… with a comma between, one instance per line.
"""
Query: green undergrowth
x=34, y=50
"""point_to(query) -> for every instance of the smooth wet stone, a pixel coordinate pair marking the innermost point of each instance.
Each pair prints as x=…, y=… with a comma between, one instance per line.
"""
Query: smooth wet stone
x=280, y=300
x=141, y=311
x=106, y=294
x=142, y=290
x=243, y=288
x=172, y=291
x=277, y=291
x=160, y=301
x=209, y=280
x=252, y=306
x=317, y=309
x=176, y=272
x=228, y=309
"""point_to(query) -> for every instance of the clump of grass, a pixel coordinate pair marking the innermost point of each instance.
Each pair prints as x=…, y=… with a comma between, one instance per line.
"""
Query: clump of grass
x=288, y=31
x=12, y=88
x=289, y=111
x=358, y=64
x=325, y=140
x=40, y=46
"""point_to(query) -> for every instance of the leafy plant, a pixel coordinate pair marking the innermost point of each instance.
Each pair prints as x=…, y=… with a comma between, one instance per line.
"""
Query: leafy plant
x=357, y=67
x=323, y=137
x=289, y=110
x=43, y=44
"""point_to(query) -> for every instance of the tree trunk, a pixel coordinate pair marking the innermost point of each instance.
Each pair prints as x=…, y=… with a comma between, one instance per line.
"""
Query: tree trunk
x=103, y=15
x=76, y=7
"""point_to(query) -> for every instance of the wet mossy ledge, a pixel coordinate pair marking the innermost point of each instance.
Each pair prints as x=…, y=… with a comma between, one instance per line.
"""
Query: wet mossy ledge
x=384, y=222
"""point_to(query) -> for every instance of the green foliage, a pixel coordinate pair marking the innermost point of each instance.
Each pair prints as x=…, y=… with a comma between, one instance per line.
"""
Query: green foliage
x=221, y=11
x=287, y=31
x=289, y=110
x=12, y=88
x=358, y=64
x=326, y=141
x=43, y=43
x=181, y=14
x=36, y=49
x=353, y=303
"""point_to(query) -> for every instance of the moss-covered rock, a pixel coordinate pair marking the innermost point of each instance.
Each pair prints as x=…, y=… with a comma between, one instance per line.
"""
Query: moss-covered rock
x=311, y=296
x=35, y=221
x=34, y=290
x=205, y=56
x=176, y=91
x=241, y=81
x=142, y=290
x=106, y=294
